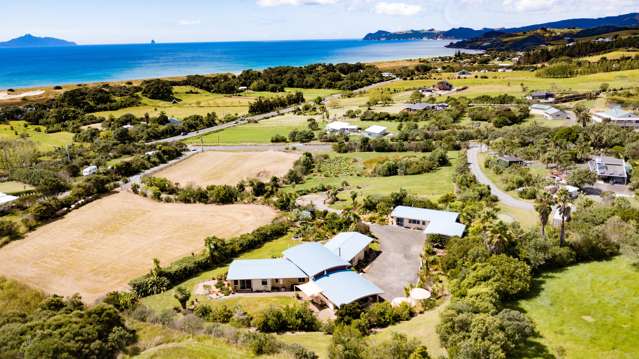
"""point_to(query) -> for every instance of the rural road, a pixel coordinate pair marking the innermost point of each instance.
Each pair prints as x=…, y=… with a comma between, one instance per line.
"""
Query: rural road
x=505, y=198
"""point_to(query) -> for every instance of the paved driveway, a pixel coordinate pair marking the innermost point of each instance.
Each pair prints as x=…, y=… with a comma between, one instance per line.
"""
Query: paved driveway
x=398, y=265
x=475, y=168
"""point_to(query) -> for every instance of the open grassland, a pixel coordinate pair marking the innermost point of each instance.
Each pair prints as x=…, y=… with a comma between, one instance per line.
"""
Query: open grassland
x=588, y=311
x=254, y=133
x=430, y=185
x=194, y=101
x=614, y=55
x=14, y=187
x=229, y=168
x=100, y=247
x=254, y=304
x=510, y=83
x=43, y=141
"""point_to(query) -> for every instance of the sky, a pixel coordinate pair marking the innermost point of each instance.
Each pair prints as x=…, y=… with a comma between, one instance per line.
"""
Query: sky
x=137, y=21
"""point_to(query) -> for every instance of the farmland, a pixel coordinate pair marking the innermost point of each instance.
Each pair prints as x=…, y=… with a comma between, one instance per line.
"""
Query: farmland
x=229, y=168
x=44, y=141
x=100, y=247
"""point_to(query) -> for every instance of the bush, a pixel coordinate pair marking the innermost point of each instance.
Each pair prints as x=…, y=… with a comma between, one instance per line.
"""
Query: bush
x=260, y=343
x=290, y=318
x=279, y=139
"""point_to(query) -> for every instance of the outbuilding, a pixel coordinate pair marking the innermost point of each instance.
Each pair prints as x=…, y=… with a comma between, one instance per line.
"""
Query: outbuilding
x=429, y=221
x=350, y=246
x=542, y=96
x=376, y=131
x=88, y=171
x=341, y=127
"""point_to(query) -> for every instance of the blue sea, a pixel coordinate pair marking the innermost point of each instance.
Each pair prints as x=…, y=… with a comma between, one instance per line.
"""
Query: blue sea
x=32, y=67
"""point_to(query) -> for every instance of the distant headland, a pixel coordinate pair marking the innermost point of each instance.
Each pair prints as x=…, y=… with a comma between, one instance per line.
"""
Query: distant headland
x=29, y=40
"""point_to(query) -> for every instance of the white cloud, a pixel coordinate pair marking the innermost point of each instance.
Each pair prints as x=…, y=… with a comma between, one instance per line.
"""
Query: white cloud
x=530, y=5
x=189, y=22
x=272, y=3
x=397, y=8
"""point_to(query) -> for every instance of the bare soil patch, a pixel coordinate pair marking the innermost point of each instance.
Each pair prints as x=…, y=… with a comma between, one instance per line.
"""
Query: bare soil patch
x=229, y=168
x=100, y=247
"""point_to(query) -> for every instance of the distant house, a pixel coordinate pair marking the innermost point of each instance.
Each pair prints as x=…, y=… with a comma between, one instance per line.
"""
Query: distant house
x=507, y=160
x=350, y=246
x=242, y=88
x=321, y=272
x=618, y=117
x=88, y=171
x=6, y=200
x=428, y=220
x=547, y=97
x=463, y=73
x=376, y=131
x=609, y=169
x=388, y=75
x=174, y=121
x=444, y=86
x=414, y=107
x=549, y=112
x=341, y=127
x=128, y=126
x=426, y=91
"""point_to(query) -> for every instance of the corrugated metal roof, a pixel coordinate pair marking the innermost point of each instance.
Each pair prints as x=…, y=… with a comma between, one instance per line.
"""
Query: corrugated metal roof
x=264, y=269
x=450, y=229
x=345, y=287
x=338, y=126
x=347, y=245
x=423, y=214
x=6, y=198
x=376, y=129
x=314, y=258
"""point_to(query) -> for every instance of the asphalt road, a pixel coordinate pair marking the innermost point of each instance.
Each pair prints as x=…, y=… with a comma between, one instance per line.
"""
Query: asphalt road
x=505, y=198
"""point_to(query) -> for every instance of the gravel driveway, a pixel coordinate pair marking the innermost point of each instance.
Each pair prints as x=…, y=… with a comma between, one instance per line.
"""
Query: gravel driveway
x=398, y=265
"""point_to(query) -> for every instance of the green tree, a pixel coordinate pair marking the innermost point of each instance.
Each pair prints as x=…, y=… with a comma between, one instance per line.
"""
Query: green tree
x=543, y=206
x=583, y=114
x=182, y=295
x=581, y=177
x=564, y=202
x=347, y=343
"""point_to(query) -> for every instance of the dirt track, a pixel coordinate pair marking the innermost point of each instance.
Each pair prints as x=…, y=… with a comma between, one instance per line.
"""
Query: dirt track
x=100, y=247
x=209, y=168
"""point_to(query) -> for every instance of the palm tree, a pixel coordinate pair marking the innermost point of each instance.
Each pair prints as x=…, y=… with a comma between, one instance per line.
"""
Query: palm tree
x=543, y=206
x=563, y=201
x=583, y=115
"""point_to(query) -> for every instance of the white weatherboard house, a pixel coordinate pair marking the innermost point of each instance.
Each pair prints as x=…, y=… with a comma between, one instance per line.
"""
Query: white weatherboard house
x=88, y=171
x=376, y=131
x=429, y=221
x=321, y=272
x=341, y=127
x=618, y=117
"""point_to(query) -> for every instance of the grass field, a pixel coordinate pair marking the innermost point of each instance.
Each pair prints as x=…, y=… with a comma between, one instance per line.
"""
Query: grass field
x=510, y=83
x=15, y=296
x=431, y=185
x=14, y=187
x=103, y=245
x=272, y=249
x=588, y=311
x=44, y=141
x=611, y=55
x=229, y=168
x=204, y=102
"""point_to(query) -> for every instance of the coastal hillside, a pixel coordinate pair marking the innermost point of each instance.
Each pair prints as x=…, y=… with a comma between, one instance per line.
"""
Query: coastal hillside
x=464, y=33
x=29, y=40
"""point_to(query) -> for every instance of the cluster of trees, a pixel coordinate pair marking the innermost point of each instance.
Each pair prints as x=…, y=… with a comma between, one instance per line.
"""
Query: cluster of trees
x=158, y=90
x=323, y=225
x=270, y=104
x=568, y=68
x=411, y=165
x=348, y=343
x=376, y=316
x=500, y=116
x=290, y=318
x=216, y=252
x=222, y=83
x=383, y=205
x=64, y=328
x=580, y=49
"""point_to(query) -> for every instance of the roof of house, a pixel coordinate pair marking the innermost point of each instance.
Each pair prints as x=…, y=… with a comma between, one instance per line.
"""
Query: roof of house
x=616, y=112
x=6, y=198
x=314, y=258
x=424, y=214
x=553, y=111
x=376, y=129
x=542, y=94
x=509, y=158
x=347, y=245
x=344, y=287
x=540, y=107
x=608, y=166
x=264, y=269
x=450, y=229
x=339, y=125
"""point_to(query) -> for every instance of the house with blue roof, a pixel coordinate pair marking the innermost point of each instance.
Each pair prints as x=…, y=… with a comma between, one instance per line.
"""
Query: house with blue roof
x=430, y=221
x=321, y=272
x=617, y=116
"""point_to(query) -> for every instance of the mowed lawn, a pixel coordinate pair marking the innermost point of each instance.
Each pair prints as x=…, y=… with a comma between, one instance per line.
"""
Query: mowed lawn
x=200, y=102
x=252, y=305
x=510, y=83
x=44, y=141
x=589, y=311
x=430, y=185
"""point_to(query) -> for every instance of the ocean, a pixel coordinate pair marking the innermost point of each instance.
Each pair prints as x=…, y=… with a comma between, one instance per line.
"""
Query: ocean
x=32, y=67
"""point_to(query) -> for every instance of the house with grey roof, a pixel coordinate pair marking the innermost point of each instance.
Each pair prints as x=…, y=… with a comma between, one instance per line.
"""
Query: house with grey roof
x=610, y=169
x=430, y=221
x=321, y=272
x=376, y=131
x=541, y=96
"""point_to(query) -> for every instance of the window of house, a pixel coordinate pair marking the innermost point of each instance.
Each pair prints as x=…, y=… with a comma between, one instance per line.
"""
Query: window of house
x=235, y=282
x=264, y=282
x=300, y=279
